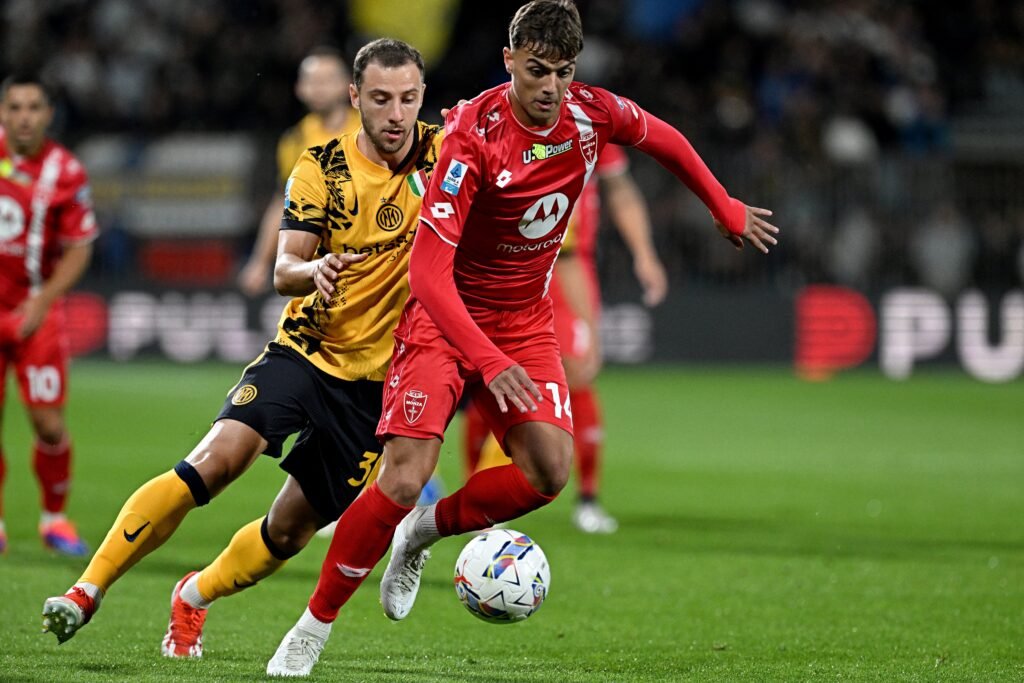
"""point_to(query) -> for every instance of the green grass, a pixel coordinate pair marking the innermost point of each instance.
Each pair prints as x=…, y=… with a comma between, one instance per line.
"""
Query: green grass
x=771, y=530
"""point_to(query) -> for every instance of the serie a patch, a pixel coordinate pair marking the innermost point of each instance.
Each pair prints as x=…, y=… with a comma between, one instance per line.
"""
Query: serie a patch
x=453, y=177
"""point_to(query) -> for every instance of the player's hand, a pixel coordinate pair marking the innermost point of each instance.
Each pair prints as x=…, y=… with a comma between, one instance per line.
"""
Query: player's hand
x=327, y=269
x=584, y=363
x=591, y=361
x=447, y=110
x=651, y=275
x=254, y=279
x=32, y=312
x=514, y=386
x=757, y=231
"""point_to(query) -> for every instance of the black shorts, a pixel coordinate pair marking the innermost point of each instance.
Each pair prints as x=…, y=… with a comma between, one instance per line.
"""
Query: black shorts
x=337, y=450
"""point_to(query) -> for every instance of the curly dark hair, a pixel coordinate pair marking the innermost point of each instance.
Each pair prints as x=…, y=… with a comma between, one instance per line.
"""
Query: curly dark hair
x=551, y=29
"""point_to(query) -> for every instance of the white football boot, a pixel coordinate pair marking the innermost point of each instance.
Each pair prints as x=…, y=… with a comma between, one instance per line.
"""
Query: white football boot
x=590, y=518
x=300, y=649
x=401, y=580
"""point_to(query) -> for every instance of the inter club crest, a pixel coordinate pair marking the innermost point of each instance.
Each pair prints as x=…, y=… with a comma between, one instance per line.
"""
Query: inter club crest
x=588, y=147
x=414, y=404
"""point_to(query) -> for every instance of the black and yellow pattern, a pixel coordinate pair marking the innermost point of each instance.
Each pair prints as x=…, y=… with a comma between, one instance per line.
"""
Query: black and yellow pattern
x=308, y=132
x=357, y=207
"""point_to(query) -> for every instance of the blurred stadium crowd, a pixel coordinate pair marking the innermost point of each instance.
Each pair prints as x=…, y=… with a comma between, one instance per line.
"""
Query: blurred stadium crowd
x=886, y=136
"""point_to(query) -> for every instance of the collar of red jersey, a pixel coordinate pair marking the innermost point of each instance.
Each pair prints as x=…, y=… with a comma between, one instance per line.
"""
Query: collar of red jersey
x=532, y=131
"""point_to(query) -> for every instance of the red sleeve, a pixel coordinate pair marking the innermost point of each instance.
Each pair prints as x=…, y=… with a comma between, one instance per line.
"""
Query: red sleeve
x=633, y=126
x=613, y=161
x=454, y=182
x=75, y=220
x=673, y=151
x=433, y=285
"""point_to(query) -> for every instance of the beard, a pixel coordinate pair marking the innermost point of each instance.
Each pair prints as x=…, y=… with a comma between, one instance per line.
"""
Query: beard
x=383, y=145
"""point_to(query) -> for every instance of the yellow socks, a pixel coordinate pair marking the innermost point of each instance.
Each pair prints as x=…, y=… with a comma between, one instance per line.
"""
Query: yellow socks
x=148, y=518
x=246, y=560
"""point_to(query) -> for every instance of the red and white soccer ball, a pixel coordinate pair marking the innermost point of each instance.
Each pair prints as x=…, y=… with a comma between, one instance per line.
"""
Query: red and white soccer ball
x=502, y=576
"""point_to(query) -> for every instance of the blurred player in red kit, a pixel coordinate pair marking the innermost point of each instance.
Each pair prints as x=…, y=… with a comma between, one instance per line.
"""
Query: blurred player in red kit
x=479, y=319
x=576, y=297
x=46, y=231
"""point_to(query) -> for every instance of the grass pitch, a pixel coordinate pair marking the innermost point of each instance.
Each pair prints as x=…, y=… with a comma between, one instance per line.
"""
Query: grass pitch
x=770, y=530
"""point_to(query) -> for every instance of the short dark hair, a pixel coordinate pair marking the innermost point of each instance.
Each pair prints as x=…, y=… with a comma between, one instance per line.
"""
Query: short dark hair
x=26, y=79
x=329, y=52
x=551, y=29
x=388, y=53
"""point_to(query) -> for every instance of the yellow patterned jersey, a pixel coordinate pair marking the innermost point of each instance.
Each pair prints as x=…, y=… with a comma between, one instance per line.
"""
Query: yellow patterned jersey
x=308, y=132
x=357, y=207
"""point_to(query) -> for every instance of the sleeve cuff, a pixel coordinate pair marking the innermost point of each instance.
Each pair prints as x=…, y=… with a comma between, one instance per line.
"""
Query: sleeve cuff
x=292, y=224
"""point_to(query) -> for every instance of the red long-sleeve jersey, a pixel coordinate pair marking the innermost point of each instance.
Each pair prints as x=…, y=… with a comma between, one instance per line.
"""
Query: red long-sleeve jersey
x=500, y=198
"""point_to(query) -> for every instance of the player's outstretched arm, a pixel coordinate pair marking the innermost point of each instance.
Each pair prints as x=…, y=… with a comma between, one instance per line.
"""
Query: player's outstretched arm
x=297, y=273
x=673, y=151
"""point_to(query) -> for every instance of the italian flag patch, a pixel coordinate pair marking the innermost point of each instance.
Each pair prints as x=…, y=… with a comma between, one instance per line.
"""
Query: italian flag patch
x=417, y=183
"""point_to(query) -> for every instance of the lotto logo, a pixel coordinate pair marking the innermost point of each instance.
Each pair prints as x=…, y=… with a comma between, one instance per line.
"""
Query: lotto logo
x=441, y=210
x=503, y=178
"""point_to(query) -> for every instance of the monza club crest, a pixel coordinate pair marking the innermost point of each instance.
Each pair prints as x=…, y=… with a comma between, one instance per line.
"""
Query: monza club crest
x=588, y=147
x=414, y=404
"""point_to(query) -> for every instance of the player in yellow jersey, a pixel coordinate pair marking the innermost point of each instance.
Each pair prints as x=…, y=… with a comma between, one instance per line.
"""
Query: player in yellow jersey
x=322, y=86
x=351, y=211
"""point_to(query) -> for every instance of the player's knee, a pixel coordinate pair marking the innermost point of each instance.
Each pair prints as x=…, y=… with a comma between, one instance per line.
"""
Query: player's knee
x=49, y=428
x=550, y=474
x=52, y=435
x=406, y=469
x=215, y=474
x=553, y=479
x=402, y=487
x=225, y=453
x=287, y=536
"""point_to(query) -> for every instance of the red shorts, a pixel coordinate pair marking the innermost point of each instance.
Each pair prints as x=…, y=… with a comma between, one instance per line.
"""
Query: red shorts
x=572, y=332
x=40, y=361
x=428, y=375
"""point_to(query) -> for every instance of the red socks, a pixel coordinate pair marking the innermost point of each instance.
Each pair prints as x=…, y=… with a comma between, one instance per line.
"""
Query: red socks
x=366, y=528
x=586, y=422
x=362, y=537
x=52, y=464
x=493, y=495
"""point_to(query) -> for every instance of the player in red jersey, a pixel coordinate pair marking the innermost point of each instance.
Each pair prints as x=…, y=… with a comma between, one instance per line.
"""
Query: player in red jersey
x=576, y=298
x=512, y=164
x=46, y=231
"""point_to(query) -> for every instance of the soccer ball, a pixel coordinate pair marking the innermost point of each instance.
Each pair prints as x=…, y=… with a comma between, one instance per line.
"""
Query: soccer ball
x=502, y=576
